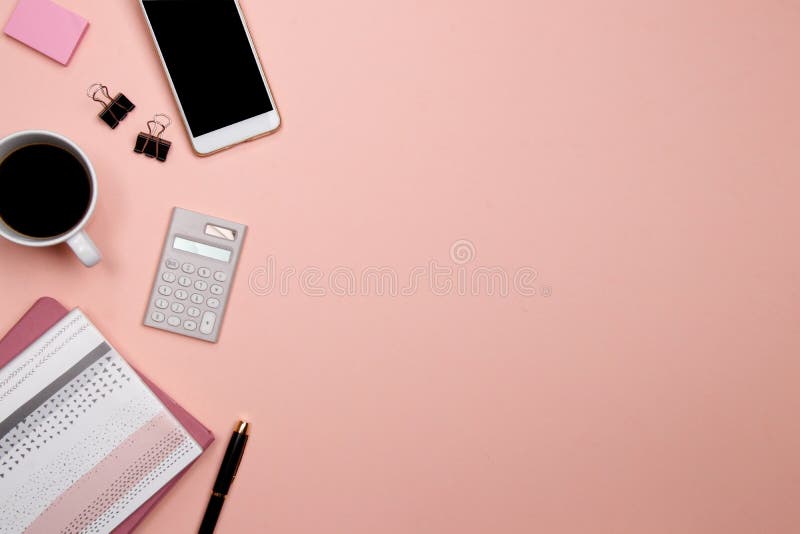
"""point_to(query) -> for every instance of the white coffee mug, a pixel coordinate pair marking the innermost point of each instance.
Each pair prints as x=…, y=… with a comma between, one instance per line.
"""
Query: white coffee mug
x=76, y=238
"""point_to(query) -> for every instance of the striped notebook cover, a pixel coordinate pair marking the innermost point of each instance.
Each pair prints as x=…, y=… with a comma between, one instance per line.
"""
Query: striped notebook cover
x=84, y=443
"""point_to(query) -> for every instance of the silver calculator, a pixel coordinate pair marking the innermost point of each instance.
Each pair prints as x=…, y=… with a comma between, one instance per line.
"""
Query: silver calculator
x=193, y=280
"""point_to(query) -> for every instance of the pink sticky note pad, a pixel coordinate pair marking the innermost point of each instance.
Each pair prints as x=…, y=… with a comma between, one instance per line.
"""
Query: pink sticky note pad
x=47, y=27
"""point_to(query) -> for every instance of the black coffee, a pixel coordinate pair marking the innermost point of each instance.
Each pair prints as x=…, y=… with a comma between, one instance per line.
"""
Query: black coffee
x=44, y=190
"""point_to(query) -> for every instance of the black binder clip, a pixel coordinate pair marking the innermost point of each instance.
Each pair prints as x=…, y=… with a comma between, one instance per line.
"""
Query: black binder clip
x=114, y=109
x=150, y=144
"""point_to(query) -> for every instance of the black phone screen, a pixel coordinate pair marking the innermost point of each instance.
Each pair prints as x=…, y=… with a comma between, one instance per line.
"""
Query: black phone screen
x=210, y=61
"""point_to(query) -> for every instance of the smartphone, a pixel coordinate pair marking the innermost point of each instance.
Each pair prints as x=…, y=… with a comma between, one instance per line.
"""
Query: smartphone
x=213, y=70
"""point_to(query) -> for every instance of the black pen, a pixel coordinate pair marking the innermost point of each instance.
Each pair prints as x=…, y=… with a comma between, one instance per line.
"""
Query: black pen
x=227, y=472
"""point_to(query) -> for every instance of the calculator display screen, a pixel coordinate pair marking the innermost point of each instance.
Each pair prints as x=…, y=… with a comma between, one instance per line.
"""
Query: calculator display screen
x=201, y=249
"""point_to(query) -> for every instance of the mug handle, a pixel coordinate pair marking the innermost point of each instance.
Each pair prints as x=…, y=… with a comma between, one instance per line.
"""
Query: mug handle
x=83, y=247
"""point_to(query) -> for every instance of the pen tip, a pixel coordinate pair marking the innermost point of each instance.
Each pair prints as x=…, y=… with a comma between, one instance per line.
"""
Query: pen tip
x=242, y=427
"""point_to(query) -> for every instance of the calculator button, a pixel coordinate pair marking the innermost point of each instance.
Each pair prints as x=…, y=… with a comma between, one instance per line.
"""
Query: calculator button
x=200, y=285
x=205, y=272
x=181, y=294
x=173, y=321
x=185, y=281
x=207, y=323
x=190, y=325
x=219, y=276
x=161, y=303
x=188, y=268
x=157, y=316
x=165, y=290
x=197, y=299
x=216, y=290
x=177, y=307
x=193, y=312
x=171, y=263
x=212, y=303
x=168, y=277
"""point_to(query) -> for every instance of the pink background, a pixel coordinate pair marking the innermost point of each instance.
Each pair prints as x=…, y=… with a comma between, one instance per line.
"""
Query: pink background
x=641, y=156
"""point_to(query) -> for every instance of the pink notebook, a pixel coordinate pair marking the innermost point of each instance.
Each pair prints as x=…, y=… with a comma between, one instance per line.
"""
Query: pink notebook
x=45, y=313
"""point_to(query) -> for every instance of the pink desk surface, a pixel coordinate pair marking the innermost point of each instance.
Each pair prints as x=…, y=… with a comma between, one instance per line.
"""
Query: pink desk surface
x=641, y=157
